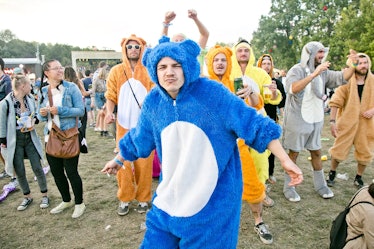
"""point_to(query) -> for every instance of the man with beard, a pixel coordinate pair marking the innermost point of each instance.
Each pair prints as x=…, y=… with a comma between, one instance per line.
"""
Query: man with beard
x=304, y=110
x=352, y=110
x=127, y=85
x=219, y=65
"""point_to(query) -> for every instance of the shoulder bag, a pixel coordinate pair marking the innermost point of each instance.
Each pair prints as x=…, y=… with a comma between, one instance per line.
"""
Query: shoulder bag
x=62, y=144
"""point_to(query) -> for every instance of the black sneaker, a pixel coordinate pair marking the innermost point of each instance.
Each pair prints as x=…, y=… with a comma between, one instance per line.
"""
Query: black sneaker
x=359, y=183
x=264, y=234
x=331, y=179
x=25, y=203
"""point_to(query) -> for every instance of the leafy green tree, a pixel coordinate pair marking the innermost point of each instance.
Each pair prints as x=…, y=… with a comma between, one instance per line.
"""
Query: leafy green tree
x=292, y=23
x=354, y=30
x=19, y=48
x=12, y=47
x=7, y=35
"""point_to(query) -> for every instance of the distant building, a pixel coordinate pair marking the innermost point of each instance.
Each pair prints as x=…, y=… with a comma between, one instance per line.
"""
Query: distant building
x=31, y=65
x=81, y=59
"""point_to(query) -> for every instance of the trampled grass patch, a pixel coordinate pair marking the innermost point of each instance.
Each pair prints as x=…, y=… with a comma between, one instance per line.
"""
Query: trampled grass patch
x=294, y=225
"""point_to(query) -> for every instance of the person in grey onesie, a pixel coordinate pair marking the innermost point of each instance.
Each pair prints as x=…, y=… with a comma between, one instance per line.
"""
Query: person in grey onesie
x=304, y=110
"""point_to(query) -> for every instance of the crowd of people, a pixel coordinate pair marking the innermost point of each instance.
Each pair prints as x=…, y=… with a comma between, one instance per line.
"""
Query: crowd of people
x=153, y=97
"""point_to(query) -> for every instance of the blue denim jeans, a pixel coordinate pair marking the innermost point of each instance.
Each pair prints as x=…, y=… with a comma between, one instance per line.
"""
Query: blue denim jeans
x=25, y=147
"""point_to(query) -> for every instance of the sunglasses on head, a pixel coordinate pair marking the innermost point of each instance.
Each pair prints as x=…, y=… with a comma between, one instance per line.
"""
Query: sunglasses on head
x=130, y=46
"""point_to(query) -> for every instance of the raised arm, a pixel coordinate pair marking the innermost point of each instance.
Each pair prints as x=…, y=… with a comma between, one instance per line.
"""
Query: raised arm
x=204, y=33
x=169, y=16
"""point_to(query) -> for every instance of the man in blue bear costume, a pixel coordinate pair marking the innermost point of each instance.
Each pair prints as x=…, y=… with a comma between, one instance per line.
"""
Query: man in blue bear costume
x=193, y=123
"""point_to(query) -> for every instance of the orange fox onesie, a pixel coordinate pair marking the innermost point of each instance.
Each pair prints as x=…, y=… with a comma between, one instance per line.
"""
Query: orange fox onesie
x=135, y=179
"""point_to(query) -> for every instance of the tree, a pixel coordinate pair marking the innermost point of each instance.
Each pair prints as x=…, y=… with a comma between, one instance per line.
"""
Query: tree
x=354, y=30
x=7, y=35
x=12, y=47
x=292, y=23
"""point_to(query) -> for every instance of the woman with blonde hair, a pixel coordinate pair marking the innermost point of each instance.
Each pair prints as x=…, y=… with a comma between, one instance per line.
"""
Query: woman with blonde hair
x=98, y=89
x=19, y=139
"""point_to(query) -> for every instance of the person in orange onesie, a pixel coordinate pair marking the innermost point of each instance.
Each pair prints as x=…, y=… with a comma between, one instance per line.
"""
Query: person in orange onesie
x=127, y=85
x=218, y=60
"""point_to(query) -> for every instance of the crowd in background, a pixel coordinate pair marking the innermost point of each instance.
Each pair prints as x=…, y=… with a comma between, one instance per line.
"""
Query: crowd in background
x=295, y=98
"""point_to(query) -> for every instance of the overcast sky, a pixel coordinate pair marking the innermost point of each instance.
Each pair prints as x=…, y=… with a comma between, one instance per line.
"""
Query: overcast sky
x=103, y=24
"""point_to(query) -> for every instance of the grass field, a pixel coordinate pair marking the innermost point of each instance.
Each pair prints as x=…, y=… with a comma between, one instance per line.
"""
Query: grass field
x=294, y=225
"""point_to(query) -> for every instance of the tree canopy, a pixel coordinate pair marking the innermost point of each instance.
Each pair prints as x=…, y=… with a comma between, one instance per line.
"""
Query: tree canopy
x=338, y=24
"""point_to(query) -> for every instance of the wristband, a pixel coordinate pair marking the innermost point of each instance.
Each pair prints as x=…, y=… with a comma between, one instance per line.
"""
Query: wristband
x=166, y=25
x=332, y=121
x=117, y=161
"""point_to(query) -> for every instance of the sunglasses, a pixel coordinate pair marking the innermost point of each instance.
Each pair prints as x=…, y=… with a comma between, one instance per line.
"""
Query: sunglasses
x=129, y=46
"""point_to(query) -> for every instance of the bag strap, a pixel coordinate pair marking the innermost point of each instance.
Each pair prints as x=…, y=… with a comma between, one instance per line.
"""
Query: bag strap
x=133, y=94
x=359, y=191
x=51, y=104
x=50, y=96
x=349, y=207
x=7, y=108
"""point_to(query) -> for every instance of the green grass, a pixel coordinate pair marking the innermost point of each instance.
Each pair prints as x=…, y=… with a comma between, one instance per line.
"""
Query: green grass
x=294, y=225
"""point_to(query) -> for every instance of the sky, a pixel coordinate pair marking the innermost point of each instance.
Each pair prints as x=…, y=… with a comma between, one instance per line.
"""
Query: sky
x=103, y=24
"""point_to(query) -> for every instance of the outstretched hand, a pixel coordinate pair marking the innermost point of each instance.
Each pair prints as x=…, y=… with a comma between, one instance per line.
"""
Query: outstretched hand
x=111, y=167
x=293, y=171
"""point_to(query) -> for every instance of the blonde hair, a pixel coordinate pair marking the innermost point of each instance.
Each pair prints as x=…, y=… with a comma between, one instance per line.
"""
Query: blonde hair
x=19, y=80
x=102, y=74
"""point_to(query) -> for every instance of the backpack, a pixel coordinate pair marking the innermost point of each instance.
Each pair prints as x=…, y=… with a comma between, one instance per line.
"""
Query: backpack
x=338, y=232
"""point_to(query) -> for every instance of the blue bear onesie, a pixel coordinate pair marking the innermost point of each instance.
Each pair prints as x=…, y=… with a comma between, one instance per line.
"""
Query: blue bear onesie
x=197, y=203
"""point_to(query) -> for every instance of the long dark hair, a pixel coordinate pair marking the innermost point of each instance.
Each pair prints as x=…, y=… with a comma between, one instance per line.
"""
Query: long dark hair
x=43, y=78
x=45, y=67
x=71, y=75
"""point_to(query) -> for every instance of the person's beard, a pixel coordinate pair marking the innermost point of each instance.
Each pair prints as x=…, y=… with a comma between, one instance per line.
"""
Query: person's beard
x=317, y=62
x=362, y=72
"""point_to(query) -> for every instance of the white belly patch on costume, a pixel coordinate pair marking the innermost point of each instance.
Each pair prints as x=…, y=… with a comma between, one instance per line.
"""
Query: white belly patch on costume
x=189, y=170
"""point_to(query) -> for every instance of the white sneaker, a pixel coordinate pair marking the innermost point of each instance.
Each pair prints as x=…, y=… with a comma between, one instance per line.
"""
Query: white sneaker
x=61, y=207
x=78, y=210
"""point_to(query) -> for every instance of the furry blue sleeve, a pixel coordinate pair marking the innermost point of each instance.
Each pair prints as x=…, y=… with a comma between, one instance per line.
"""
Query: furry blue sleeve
x=257, y=131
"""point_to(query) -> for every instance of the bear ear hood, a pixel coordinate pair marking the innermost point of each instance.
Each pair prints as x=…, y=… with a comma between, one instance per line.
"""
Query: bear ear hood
x=209, y=58
x=132, y=37
x=185, y=53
